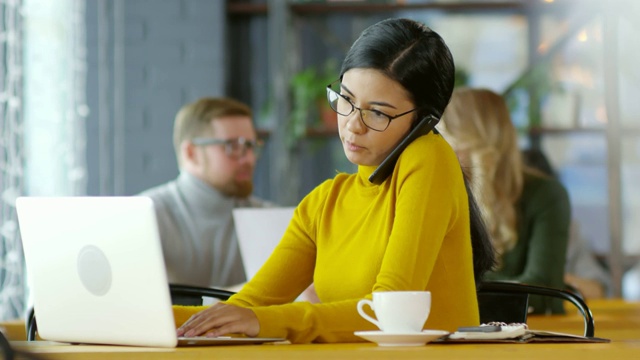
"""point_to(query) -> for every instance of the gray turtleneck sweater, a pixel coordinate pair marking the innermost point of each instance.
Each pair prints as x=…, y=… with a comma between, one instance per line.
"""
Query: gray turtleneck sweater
x=197, y=231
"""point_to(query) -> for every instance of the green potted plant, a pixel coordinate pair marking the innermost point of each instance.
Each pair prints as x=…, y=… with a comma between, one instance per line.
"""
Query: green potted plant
x=309, y=106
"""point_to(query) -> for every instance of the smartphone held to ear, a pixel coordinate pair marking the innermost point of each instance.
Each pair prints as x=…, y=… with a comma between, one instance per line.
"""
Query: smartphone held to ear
x=382, y=172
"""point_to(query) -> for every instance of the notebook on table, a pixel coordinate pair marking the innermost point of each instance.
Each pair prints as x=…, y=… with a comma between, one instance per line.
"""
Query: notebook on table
x=97, y=272
x=513, y=333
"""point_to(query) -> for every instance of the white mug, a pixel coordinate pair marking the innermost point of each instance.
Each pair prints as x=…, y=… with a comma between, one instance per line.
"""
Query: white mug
x=398, y=311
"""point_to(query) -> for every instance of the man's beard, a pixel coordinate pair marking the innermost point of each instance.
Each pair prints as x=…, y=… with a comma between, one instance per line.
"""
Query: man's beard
x=240, y=189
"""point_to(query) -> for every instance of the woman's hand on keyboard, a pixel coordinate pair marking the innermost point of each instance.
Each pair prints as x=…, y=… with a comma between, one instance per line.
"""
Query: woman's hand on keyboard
x=221, y=319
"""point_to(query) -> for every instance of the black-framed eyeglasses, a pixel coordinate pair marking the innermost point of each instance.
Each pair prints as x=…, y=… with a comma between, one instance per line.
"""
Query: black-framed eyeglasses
x=373, y=119
x=234, y=148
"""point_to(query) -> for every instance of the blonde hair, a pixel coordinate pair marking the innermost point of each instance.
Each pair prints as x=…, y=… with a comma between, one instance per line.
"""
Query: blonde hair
x=478, y=125
x=194, y=119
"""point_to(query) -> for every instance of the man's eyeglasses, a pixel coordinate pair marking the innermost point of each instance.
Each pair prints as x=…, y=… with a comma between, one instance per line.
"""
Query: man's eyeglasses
x=234, y=148
x=373, y=119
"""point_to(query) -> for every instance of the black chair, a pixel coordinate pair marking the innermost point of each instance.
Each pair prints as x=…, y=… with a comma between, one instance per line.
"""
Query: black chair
x=180, y=295
x=508, y=302
x=32, y=326
x=193, y=295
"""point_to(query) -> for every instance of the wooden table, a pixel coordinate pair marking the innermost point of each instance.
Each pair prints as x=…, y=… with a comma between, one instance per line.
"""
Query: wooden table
x=14, y=329
x=614, y=319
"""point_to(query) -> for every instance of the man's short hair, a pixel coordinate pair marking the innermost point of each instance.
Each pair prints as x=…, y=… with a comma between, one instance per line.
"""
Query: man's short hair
x=193, y=119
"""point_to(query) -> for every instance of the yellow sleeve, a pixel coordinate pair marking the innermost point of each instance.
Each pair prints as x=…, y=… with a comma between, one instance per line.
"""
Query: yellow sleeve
x=289, y=269
x=287, y=272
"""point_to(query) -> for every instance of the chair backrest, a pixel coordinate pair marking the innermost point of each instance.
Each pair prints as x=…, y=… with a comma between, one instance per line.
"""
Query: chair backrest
x=180, y=295
x=508, y=302
x=502, y=307
x=193, y=295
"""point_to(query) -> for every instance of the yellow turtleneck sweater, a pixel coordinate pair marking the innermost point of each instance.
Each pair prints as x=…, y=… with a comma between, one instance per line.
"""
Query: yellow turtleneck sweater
x=351, y=238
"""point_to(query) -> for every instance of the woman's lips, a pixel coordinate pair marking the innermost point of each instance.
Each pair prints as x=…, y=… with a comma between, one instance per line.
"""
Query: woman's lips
x=353, y=147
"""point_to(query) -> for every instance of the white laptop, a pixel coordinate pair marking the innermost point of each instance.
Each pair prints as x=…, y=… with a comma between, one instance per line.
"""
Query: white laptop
x=259, y=230
x=97, y=272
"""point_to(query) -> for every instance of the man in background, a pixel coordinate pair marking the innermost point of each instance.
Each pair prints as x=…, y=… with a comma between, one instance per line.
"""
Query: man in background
x=216, y=147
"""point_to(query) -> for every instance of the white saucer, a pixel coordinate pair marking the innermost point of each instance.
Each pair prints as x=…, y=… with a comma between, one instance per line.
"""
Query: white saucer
x=404, y=339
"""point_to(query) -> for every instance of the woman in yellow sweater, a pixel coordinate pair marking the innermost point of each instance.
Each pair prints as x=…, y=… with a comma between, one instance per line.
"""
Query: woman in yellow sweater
x=352, y=237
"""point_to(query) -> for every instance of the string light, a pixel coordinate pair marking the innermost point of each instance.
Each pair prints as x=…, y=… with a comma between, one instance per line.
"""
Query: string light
x=15, y=16
x=582, y=36
x=11, y=160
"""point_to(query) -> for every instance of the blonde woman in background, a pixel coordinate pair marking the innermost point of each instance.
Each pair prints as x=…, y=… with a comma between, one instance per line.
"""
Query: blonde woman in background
x=526, y=212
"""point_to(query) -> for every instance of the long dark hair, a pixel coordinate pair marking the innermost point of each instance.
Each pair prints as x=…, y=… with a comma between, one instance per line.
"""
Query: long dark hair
x=418, y=59
x=411, y=54
x=484, y=255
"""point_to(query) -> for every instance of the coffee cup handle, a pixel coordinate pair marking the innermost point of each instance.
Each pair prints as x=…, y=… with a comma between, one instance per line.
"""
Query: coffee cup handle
x=362, y=303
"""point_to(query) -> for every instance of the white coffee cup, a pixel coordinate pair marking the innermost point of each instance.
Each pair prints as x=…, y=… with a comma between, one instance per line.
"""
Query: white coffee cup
x=398, y=311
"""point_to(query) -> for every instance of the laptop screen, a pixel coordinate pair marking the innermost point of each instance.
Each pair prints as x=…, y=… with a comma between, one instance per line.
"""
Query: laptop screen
x=259, y=230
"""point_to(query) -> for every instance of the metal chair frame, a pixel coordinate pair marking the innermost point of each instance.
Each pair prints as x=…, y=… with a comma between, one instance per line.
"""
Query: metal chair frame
x=502, y=287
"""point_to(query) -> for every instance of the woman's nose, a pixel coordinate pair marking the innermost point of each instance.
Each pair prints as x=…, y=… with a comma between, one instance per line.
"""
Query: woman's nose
x=354, y=122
